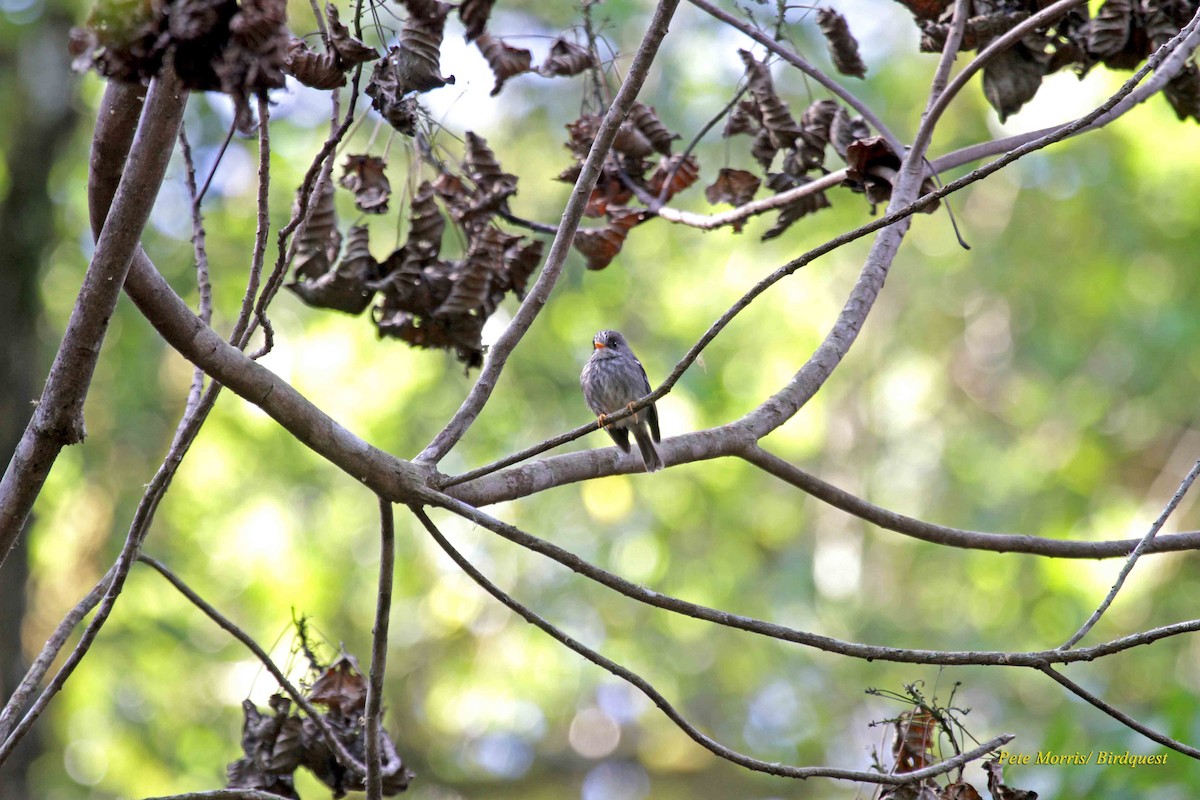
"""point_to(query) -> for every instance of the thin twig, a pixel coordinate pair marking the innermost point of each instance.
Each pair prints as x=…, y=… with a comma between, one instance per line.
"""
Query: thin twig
x=203, y=285
x=220, y=794
x=379, y=640
x=1119, y=715
x=197, y=197
x=710, y=744
x=559, y=249
x=45, y=659
x=786, y=634
x=1133, y=557
x=240, y=336
x=227, y=625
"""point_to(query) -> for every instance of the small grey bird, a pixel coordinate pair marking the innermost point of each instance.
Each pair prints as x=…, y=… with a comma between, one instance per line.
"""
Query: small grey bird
x=612, y=379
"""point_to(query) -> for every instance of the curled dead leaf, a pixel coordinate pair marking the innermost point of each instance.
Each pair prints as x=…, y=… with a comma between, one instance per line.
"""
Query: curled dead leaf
x=843, y=48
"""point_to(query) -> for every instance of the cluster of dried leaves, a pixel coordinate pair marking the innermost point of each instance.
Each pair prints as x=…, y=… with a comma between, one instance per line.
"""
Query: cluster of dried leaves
x=424, y=300
x=239, y=48
x=912, y=750
x=1121, y=35
x=277, y=743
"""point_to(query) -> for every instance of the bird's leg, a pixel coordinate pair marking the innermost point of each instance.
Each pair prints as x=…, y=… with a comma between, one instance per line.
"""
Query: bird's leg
x=602, y=419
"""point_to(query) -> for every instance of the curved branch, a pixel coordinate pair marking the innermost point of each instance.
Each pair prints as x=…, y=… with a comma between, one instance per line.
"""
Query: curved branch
x=1118, y=715
x=953, y=537
x=224, y=623
x=532, y=304
x=664, y=705
x=1142, y=547
x=783, y=633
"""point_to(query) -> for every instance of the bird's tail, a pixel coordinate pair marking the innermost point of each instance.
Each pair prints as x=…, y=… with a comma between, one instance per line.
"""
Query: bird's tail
x=649, y=452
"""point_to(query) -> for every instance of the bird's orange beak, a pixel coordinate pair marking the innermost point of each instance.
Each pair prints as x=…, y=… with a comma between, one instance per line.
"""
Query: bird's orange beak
x=598, y=345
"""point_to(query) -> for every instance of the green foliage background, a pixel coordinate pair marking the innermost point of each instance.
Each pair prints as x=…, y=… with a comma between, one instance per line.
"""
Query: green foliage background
x=1043, y=383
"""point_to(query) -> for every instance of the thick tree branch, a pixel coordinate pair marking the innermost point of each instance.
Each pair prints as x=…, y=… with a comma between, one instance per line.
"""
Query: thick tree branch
x=561, y=246
x=664, y=705
x=58, y=419
x=384, y=474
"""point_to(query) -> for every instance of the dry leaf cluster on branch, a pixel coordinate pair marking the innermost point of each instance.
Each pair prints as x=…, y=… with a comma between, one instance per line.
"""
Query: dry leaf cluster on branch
x=244, y=49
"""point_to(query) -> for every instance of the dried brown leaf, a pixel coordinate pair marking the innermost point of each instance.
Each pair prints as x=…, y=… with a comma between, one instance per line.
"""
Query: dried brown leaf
x=1183, y=93
x=959, y=790
x=364, y=175
x=776, y=118
x=977, y=31
x=1111, y=30
x=926, y=9
x=601, y=245
x=798, y=208
x=676, y=173
x=996, y=786
x=388, y=96
x=565, y=59
x=349, y=51
x=843, y=48
x=915, y=731
x=320, y=241
x=474, y=15
x=504, y=60
x=318, y=70
x=342, y=687
x=844, y=130
x=417, y=59
x=426, y=224
x=520, y=260
x=734, y=186
x=744, y=118
x=646, y=120
x=1011, y=80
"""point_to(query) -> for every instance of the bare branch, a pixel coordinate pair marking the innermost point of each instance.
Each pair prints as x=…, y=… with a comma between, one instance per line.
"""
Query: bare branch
x=220, y=794
x=532, y=304
x=713, y=746
x=953, y=537
x=1118, y=715
x=1133, y=557
x=240, y=336
x=203, y=285
x=783, y=633
x=58, y=419
x=379, y=640
x=45, y=659
x=227, y=625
